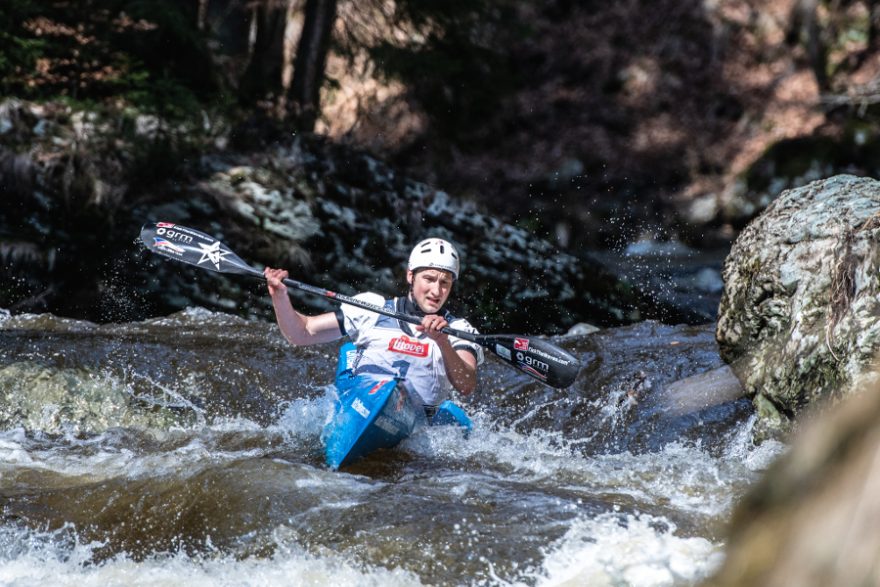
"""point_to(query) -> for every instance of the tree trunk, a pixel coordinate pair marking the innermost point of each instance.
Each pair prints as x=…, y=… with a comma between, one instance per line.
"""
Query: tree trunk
x=262, y=78
x=311, y=59
x=804, y=28
x=228, y=22
x=227, y=25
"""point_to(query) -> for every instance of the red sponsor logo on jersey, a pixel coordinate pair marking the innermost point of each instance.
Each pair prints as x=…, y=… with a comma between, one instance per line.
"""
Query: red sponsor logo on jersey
x=407, y=346
x=164, y=225
x=520, y=344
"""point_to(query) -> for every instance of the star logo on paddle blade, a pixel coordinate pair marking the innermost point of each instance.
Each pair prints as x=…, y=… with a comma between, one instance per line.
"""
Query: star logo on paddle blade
x=212, y=253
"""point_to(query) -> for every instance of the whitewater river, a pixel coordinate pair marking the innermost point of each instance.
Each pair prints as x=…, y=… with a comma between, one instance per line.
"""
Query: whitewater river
x=187, y=450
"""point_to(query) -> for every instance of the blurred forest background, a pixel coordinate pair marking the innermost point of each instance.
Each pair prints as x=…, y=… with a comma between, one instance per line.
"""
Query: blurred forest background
x=591, y=124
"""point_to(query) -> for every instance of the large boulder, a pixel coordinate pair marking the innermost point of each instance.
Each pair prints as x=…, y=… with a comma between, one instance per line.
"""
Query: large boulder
x=799, y=319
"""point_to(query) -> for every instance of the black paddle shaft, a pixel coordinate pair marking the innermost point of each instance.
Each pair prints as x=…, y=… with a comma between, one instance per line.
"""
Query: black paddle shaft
x=535, y=357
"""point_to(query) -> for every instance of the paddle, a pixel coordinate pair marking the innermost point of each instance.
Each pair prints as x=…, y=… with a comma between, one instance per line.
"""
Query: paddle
x=535, y=357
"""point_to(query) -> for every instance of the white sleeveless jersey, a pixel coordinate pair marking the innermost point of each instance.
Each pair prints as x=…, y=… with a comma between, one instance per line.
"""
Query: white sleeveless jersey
x=389, y=348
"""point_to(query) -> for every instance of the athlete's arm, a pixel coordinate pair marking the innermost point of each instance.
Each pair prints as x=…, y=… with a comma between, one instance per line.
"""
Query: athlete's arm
x=297, y=328
x=461, y=366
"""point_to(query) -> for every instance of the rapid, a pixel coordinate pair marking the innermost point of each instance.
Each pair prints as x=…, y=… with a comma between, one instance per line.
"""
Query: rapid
x=187, y=450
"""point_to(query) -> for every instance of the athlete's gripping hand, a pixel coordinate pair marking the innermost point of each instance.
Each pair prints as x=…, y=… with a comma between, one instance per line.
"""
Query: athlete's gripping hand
x=431, y=325
x=274, y=279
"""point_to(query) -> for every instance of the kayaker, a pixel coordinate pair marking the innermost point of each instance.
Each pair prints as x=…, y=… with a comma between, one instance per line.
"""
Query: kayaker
x=429, y=362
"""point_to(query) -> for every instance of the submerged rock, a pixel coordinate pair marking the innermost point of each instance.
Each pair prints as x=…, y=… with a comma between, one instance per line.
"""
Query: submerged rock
x=799, y=320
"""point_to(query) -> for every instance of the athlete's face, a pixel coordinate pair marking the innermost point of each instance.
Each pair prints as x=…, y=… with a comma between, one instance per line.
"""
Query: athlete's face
x=430, y=288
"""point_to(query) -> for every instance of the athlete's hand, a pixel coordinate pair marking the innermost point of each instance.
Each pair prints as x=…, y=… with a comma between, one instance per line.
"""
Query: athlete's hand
x=431, y=325
x=274, y=279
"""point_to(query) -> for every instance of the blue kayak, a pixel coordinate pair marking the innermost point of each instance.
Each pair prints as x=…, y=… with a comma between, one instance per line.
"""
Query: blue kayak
x=372, y=414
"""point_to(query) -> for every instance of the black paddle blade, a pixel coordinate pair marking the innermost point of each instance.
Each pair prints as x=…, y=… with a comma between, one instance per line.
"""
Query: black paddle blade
x=191, y=246
x=535, y=357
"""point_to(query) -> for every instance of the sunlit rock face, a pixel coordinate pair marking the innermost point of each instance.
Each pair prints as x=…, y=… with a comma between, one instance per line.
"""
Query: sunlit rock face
x=812, y=519
x=799, y=319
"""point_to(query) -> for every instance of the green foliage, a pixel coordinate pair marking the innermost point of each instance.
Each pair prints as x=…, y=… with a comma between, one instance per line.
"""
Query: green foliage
x=148, y=54
x=20, y=51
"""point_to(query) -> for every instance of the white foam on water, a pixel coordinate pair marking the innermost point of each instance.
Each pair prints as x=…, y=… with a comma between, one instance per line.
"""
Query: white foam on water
x=754, y=457
x=681, y=476
x=642, y=551
x=31, y=559
x=183, y=452
x=538, y=452
x=101, y=457
x=304, y=418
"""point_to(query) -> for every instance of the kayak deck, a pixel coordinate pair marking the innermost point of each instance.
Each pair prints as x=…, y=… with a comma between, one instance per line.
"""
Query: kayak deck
x=373, y=414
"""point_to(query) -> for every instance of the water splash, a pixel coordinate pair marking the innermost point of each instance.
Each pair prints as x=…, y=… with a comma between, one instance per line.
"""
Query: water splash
x=33, y=559
x=626, y=550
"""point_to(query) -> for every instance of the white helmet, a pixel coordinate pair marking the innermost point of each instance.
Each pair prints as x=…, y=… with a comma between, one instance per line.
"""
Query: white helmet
x=434, y=253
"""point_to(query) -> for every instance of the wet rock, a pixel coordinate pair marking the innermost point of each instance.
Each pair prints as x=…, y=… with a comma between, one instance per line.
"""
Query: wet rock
x=77, y=187
x=68, y=400
x=345, y=220
x=812, y=520
x=701, y=391
x=799, y=319
x=582, y=329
